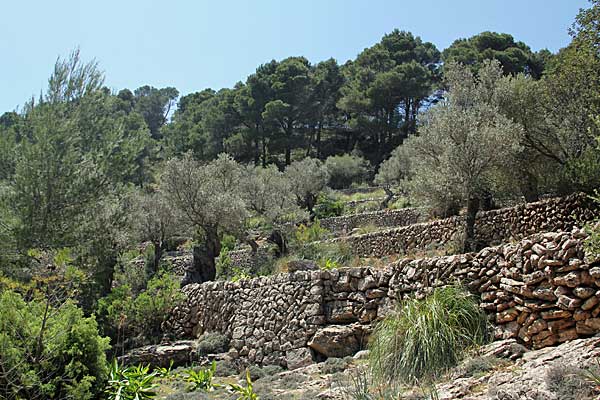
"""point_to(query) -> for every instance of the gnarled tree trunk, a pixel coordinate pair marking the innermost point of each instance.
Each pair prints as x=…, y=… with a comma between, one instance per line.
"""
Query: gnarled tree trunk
x=472, y=208
x=203, y=266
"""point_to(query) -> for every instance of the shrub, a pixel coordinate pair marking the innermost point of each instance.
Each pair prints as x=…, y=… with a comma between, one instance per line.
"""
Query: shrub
x=479, y=366
x=49, y=350
x=333, y=365
x=310, y=233
x=328, y=207
x=126, y=314
x=427, y=337
x=568, y=383
x=346, y=169
x=592, y=244
x=212, y=343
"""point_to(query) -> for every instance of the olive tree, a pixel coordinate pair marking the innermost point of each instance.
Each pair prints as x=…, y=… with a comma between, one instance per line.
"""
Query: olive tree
x=463, y=143
x=268, y=194
x=392, y=173
x=155, y=221
x=307, y=178
x=210, y=201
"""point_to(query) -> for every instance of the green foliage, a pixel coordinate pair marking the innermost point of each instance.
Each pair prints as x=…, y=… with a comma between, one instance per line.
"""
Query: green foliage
x=201, y=379
x=346, y=169
x=308, y=179
x=247, y=392
x=228, y=242
x=126, y=313
x=515, y=57
x=425, y=338
x=327, y=255
x=310, y=233
x=131, y=383
x=327, y=207
x=212, y=343
x=49, y=350
x=592, y=243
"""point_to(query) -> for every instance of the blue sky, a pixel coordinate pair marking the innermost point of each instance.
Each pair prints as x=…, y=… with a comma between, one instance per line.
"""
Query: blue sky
x=194, y=44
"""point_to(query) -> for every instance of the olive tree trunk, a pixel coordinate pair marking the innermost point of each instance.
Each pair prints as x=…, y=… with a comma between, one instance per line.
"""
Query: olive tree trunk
x=204, y=266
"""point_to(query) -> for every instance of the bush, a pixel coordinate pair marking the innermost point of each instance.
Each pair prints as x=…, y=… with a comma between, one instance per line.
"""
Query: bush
x=334, y=364
x=568, y=383
x=52, y=352
x=212, y=343
x=126, y=314
x=346, y=169
x=592, y=243
x=328, y=207
x=310, y=233
x=425, y=338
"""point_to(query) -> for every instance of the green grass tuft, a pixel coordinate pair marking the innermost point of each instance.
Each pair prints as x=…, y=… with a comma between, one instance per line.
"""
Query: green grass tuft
x=424, y=338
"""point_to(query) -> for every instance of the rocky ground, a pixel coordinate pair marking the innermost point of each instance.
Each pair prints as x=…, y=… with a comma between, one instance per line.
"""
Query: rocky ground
x=503, y=370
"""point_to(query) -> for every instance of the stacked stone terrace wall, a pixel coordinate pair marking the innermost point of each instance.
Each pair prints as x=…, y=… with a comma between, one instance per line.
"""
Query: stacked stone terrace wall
x=541, y=290
x=491, y=227
x=385, y=218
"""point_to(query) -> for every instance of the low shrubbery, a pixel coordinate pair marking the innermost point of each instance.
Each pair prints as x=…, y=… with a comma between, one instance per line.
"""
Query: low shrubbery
x=346, y=169
x=425, y=338
x=212, y=343
x=127, y=314
x=328, y=206
x=49, y=349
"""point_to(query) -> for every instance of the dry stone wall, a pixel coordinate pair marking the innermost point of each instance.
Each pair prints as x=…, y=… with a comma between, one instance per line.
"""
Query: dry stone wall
x=541, y=291
x=491, y=227
x=385, y=218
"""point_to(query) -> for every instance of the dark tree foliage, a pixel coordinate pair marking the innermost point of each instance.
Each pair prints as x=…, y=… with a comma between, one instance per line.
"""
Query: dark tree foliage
x=515, y=57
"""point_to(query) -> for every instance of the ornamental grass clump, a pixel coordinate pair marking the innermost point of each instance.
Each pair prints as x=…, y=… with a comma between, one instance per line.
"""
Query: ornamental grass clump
x=424, y=338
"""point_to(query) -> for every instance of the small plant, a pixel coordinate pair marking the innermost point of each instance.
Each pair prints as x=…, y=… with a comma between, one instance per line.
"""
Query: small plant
x=166, y=373
x=201, y=379
x=244, y=393
x=130, y=383
x=328, y=264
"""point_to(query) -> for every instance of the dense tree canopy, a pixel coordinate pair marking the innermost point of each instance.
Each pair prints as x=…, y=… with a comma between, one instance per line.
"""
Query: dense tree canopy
x=515, y=57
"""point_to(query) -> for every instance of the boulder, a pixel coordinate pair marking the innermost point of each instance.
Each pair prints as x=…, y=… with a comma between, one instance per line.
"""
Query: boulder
x=181, y=353
x=337, y=340
x=298, y=358
x=301, y=265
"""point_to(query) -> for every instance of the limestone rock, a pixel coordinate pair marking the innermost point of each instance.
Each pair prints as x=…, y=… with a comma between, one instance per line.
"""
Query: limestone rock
x=337, y=340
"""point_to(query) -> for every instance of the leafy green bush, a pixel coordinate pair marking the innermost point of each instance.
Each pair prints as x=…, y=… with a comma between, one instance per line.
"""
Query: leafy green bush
x=228, y=242
x=310, y=233
x=131, y=383
x=425, y=338
x=346, y=169
x=212, y=343
x=328, y=206
x=49, y=350
x=127, y=314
